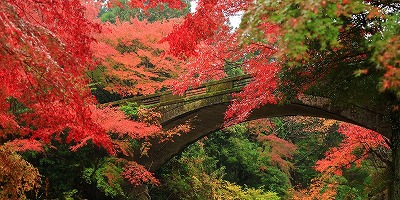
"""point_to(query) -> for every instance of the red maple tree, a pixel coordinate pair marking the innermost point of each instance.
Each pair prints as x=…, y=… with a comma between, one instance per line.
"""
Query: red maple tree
x=44, y=55
x=134, y=60
x=213, y=53
x=44, y=94
x=356, y=146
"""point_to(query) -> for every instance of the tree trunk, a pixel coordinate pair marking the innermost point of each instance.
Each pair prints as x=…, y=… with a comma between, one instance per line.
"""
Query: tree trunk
x=394, y=188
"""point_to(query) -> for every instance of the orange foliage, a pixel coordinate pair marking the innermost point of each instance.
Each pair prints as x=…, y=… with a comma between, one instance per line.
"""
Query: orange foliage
x=138, y=175
x=176, y=131
x=316, y=124
x=134, y=59
x=320, y=189
x=17, y=176
x=356, y=138
x=19, y=145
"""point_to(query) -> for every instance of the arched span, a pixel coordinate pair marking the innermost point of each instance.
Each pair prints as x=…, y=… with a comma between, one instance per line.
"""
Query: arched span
x=207, y=116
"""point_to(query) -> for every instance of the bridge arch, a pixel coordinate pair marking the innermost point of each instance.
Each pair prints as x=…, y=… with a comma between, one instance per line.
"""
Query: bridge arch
x=206, y=115
x=205, y=106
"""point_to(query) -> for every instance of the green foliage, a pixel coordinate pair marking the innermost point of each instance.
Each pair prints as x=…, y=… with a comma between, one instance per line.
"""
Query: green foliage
x=57, y=166
x=342, y=49
x=361, y=182
x=70, y=194
x=195, y=175
x=385, y=45
x=382, y=40
x=98, y=84
x=229, y=164
x=130, y=109
x=311, y=145
x=233, y=68
x=236, y=192
x=380, y=181
x=125, y=13
x=107, y=177
x=65, y=173
x=246, y=162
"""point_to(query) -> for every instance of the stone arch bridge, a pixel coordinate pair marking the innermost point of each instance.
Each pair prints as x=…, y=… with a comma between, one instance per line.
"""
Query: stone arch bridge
x=204, y=107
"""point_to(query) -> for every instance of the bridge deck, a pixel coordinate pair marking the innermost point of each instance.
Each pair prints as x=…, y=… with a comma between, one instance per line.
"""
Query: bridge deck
x=214, y=88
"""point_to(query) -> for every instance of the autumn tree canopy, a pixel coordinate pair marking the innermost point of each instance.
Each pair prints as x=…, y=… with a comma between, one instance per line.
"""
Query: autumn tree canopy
x=333, y=48
x=44, y=95
x=339, y=49
x=132, y=60
x=344, y=50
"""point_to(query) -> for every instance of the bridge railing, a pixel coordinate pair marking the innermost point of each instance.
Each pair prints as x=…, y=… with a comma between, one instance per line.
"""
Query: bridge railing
x=223, y=86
